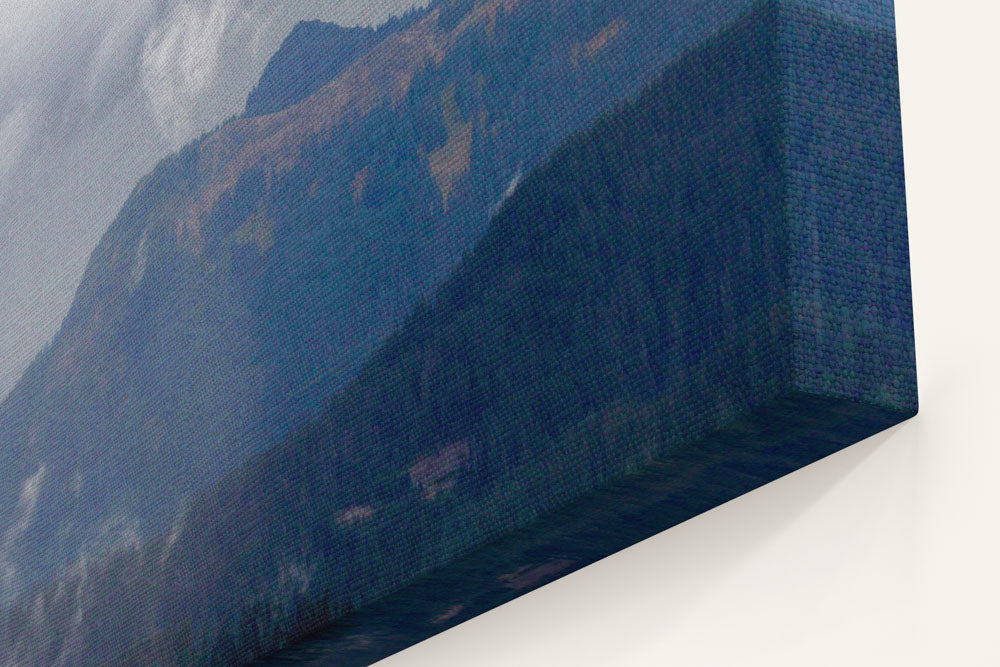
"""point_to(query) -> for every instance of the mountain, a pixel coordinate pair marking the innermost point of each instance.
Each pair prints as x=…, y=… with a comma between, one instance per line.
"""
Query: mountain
x=591, y=327
x=248, y=277
x=312, y=55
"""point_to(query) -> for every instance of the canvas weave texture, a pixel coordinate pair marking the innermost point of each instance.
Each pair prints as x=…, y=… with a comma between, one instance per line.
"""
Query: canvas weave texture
x=459, y=303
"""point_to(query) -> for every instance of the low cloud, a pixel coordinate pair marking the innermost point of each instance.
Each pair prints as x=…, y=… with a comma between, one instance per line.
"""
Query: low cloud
x=15, y=131
x=28, y=501
x=180, y=60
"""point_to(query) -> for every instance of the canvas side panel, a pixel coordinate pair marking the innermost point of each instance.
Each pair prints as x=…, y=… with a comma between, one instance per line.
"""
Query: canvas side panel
x=849, y=269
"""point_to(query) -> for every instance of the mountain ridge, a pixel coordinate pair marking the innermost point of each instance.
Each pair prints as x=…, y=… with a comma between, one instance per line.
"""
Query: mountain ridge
x=313, y=53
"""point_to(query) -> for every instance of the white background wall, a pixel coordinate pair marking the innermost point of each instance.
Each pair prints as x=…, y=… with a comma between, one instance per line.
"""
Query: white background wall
x=887, y=553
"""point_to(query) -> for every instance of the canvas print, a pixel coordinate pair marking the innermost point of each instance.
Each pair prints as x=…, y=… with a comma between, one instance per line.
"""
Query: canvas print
x=328, y=326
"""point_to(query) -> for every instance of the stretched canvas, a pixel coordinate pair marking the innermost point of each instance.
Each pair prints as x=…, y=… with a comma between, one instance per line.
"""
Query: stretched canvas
x=391, y=318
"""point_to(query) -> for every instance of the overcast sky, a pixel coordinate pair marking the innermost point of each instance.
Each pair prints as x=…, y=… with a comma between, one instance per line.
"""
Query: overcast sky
x=93, y=93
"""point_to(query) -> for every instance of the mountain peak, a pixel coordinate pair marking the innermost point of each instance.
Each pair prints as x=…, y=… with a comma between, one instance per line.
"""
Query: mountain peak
x=312, y=54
